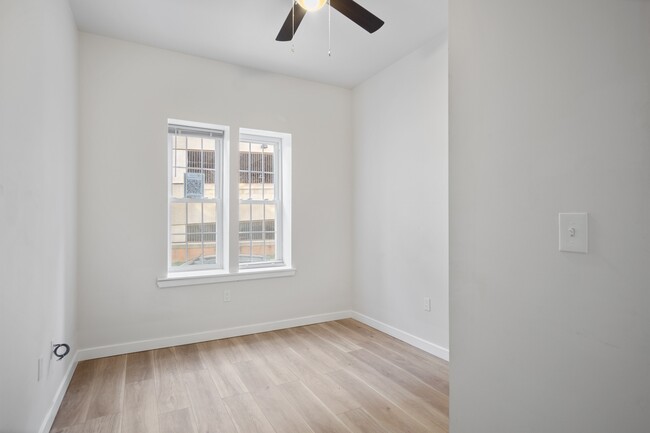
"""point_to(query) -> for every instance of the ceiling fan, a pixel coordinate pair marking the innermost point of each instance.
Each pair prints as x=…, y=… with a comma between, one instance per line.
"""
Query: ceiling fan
x=349, y=8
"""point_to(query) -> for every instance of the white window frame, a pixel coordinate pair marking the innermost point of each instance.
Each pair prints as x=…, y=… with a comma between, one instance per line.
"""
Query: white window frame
x=231, y=270
x=282, y=190
x=278, y=195
x=221, y=200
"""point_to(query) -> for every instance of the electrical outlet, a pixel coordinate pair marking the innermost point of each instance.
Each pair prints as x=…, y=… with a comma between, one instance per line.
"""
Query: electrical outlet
x=226, y=295
x=427, y=304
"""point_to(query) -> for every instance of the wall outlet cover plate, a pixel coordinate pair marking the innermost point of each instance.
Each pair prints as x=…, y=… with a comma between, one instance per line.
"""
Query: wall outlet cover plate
x=574, y=232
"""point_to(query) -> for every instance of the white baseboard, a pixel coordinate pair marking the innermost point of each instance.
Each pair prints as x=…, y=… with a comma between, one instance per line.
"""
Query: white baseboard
x=46, y=425
x=179, y=340
x=411, y=339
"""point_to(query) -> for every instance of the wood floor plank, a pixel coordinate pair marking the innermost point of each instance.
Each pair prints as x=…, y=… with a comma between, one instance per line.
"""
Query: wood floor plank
x=418, y=409
x=188, y=358
x=247, y=415
x=371, y=334
x=170, y=390
x=411, y=352
x=139, y=366
x=344, y=332
x=214, y=356
x=140, y=414
x=227, y=380
x=278, y=372
x=360, y=421
x=298, y=365
x=74, y=406
x=209, y=410
x=104, y=424
x=214, y=352
x=106, y=398
x=280, y=413
x=431, y=370
x=254, y=378
x=435, y=377
x=313, y=411
x=318, y=360
x=331, y=394
x=268, y=343
x=323, y=332
x=404, y=379
x=239, y=350
x=254, y=345
x=381, y=409
x=177, y=421
x=274, y=339
x=337, y=357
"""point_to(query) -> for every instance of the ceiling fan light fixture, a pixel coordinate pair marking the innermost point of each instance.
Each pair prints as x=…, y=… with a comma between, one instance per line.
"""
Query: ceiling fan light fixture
x=312, y=5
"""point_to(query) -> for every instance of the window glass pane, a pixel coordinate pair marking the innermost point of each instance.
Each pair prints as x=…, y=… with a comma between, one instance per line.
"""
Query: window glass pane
x=209, y=253
x=194, y=143
x=178, y=213
x=256, y=171
x=210, y=186
x=268, y=192
x=194, y=213
x=178, y=182
x=244, y=171
x=209, y=144
x=194, y=234
x=210, y=216
x=179, y=142
x=257, y=233
x=179, y=158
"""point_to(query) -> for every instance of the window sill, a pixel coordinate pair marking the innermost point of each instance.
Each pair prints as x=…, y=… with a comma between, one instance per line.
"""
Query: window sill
x=210, y=277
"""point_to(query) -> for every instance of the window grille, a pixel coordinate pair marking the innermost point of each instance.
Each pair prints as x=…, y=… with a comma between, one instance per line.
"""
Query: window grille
x=255, y=167
x=201, y=161
x=206, y=232
x=256, y=230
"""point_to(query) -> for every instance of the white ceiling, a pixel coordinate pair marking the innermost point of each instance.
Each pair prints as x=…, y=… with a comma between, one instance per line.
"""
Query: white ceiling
x=243, y=32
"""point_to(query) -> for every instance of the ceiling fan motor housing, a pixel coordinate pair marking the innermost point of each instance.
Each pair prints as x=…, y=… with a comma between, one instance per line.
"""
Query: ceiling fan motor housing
x=312, y=5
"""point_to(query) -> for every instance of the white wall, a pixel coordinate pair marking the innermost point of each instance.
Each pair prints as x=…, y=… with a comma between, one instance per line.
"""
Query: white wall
x=38, y=120
x=127, y=93
x=550, y=112
x=400, y=207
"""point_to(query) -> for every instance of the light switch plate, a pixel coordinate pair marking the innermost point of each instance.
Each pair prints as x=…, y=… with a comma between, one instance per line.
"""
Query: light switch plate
x=574, y=232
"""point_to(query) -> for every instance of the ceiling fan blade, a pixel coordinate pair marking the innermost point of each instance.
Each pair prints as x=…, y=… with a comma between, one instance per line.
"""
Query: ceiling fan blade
x=290, y=26
x=358, y=14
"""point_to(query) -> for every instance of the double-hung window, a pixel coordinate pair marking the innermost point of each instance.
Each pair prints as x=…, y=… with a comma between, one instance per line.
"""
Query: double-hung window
x=196, y=229
x=200, y=249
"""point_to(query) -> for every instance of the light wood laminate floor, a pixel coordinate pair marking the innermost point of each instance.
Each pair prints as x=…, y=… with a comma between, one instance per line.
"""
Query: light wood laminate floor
x=335, y=377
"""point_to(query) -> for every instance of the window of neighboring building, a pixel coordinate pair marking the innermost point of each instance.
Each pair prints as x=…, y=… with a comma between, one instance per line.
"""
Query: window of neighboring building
x=198, y=160
x=195, y=196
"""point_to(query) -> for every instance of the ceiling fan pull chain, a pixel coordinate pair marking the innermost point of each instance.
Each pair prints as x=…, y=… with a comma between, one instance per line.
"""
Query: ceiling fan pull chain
x=329, y=28
x=293, y=24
